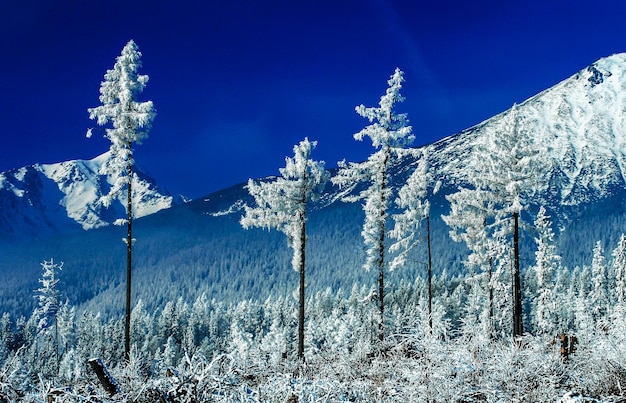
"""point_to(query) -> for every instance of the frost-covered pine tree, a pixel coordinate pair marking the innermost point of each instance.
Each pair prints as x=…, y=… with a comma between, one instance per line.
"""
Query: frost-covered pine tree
x=390, y=134
x=507, y=175
x=508, y=169
x=619, y=270
x=48, y=302
x=415, y=208
x=282, y=204
x=471, y=222
x=130, y=120
x=547, y=264
x=599, y=293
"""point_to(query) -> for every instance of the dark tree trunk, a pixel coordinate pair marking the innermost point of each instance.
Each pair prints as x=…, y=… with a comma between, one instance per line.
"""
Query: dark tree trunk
x=518, y=326
x=302, y=295
x=381, y=294
x=430, y=276
x=129, y=259
x=381, y=248
x=490, y=297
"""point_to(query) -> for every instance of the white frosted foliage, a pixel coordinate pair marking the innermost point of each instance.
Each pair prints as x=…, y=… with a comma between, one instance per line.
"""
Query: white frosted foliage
x=47, y=296
x=598, y=294
x=413, y=201
x=547, y=263
x=388, y=128
x=130, y=119
x=619, y=269
x=389, y=133
x=468, y=222
x=509, y=165
x=281, y=203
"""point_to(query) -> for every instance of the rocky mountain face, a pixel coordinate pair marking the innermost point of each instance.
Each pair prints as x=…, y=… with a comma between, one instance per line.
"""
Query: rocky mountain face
x=44, y=199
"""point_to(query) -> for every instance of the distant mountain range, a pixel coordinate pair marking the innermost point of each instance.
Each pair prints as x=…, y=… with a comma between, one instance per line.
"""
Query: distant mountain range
x=184, y=250
x=44, y=199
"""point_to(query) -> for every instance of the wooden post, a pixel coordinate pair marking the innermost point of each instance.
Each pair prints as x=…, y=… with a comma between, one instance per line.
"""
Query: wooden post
x=564, y=346
x=573, y=342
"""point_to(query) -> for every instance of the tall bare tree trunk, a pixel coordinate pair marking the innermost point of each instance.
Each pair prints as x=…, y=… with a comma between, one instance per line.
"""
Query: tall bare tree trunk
x=490, y=286
x=56, y=320
x=381, y=247
x=430, y=276
x=129, y=259
x=302, y=295
x=381, y=291
x=518, y=326
x=302, y=262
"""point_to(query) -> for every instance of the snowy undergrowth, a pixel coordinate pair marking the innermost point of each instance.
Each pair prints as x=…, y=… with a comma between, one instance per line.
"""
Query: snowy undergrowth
x=209, y=351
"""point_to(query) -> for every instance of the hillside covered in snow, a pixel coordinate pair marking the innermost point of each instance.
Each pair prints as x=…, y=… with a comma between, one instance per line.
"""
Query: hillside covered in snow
x=43, y=199
x=578, y=126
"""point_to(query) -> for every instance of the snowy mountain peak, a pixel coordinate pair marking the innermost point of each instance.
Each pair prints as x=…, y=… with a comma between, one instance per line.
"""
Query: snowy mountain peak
x=579, y=125
x=50, y=198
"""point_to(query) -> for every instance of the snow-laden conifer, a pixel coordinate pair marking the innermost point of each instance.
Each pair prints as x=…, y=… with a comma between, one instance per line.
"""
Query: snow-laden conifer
x=506, y=169
x=547, y=264
x=389, y=133
x=414, y=205
x=470, y=210
x=599, y=293
x=470, y=221
x=282, y=204
x=130, y=120
x=415, y=208
x=47, y=294
x=48, y=302
x=508, y=165
x=619, y=270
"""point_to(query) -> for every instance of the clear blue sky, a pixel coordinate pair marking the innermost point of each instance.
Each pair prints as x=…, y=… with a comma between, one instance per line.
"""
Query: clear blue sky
x=237, y=83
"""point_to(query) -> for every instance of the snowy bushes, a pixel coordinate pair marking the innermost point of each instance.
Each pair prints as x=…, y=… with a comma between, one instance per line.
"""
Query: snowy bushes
x=246, y=351
x=209, y=351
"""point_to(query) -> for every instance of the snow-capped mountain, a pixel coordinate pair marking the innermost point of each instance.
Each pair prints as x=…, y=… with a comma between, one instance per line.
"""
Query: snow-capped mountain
x=579, y=127
x=41, y=199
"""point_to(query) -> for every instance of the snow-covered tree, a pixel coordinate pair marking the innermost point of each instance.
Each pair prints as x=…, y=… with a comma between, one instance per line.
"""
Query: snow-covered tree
x=48, y=301
x=130, y=120
x=415, y=207
x=599, y=293
x=507, y=169
x=282, y=204
x=547, y=264
x=390, y=134
x=619, y=270
x=471, y=221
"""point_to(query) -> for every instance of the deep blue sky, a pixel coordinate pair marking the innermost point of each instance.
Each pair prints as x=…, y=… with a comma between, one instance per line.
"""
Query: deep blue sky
x=237, y=83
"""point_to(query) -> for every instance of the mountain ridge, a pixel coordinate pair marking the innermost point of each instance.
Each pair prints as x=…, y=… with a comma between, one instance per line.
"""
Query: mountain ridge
x=579, y=126
x=43, y=199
